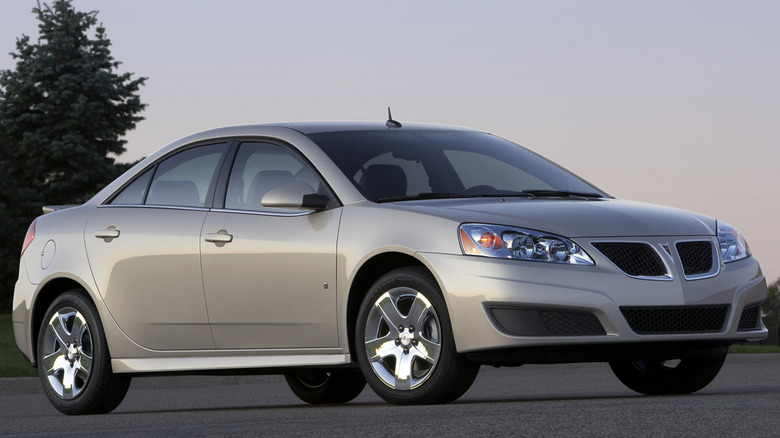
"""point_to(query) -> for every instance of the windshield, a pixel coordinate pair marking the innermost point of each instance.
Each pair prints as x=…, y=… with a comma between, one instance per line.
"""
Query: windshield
x=397, y=165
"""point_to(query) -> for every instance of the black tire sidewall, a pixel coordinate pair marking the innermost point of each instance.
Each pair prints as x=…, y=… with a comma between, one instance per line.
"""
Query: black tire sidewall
x=689, y=376
x=340, y=387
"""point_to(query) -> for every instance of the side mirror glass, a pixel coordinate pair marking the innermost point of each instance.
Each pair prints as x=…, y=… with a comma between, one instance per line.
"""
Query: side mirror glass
x=295, y=196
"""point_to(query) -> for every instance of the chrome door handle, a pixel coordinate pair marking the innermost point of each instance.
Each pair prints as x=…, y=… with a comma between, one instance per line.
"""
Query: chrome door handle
x=220, y=236
x=107, y=234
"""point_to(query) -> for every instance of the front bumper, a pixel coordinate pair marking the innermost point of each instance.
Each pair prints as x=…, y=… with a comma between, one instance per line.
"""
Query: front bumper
x=474, y=286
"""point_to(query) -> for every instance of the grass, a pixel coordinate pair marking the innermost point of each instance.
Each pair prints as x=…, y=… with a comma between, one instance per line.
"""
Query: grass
x=12, y=364
x=753, y=348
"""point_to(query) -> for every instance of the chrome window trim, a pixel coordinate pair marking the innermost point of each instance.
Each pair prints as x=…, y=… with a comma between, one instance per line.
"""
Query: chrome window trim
x=263, y=213
x=168, y=207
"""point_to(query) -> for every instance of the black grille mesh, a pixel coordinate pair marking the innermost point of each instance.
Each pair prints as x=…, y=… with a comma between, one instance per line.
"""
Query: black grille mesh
x=635, y=259
x=653, y=320
x=571, y=323
x=696, y=257
x=751, y=318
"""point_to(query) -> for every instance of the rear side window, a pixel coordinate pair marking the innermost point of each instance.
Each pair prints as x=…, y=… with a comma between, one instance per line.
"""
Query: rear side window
x=135, y=193
x=182, y=180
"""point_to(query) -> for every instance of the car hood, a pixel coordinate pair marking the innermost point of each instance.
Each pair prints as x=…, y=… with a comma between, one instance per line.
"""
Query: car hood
x=571, y=217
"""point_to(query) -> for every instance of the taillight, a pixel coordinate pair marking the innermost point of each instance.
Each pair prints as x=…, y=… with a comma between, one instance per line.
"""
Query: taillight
x=29, y=237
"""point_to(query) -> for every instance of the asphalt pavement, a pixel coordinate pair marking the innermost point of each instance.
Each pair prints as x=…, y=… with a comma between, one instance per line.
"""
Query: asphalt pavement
x=533, y=400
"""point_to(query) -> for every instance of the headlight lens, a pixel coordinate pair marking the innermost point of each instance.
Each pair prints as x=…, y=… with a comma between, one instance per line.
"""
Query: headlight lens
x=520, y=244
x=733, y=246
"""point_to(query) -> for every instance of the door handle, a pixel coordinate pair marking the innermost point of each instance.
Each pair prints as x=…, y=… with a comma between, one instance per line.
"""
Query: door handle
x=107, y=234
x=220, y=236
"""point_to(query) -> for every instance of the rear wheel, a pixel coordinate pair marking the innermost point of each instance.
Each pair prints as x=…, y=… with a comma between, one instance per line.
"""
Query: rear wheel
x=73, y=360
x=318, y=387
x=404, y=341
x=657, y=377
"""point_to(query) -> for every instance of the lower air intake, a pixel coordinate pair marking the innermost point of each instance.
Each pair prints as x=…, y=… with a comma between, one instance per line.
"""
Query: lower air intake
x=751, y=318
x=693, y=319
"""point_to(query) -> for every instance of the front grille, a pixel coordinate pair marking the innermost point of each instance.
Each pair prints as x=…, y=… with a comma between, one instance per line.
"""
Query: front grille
x=656, y=320
x=633, y=258
x=751, y=318
x=696, y=257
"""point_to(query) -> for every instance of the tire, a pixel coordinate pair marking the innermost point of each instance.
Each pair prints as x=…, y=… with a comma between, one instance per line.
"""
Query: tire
x=665, y=377
x=73, y=360
x=404, y=341
x=323, y=387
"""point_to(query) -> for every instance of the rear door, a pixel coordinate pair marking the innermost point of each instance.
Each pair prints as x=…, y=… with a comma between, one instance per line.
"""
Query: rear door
x=144, y=250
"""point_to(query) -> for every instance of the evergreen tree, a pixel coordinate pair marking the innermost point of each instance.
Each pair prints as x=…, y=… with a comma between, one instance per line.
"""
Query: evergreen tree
x=63, y=111
x=771, y=307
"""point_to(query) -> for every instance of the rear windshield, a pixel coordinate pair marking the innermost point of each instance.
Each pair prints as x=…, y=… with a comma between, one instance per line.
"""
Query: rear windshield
x=397, y=165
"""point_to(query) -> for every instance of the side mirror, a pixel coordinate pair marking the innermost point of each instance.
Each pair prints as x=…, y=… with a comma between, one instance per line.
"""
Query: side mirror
x=295, y=196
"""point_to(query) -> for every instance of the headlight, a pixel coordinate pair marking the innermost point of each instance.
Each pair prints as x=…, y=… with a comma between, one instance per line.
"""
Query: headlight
x=520, y=244
x=733, y=246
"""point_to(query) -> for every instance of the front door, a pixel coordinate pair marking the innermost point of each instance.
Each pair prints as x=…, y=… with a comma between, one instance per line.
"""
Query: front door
x=269, y=274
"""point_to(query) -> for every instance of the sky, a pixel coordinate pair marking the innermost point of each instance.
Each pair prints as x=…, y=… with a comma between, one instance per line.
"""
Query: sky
x=668, y=102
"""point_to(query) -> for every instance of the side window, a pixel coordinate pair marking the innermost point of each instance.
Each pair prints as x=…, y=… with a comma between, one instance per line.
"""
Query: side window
x=186, y=178
x=260, y=167
x=134, y=193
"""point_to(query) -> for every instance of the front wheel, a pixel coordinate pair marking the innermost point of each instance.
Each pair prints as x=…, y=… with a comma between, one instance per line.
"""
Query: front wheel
x=318, y=387
x=404, y=341
x=73, y=359
x=657, y=377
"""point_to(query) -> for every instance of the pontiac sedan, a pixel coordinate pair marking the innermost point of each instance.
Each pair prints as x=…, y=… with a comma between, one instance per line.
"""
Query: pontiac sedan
x=404, y=256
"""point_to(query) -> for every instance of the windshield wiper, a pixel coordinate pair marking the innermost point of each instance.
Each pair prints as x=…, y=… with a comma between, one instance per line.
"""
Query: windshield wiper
x=448, y=195
x=561, y=193
x=418, y=196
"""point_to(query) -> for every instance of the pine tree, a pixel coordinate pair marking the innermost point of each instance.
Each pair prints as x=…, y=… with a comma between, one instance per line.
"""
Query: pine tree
x=63, y=112
x=65, y=108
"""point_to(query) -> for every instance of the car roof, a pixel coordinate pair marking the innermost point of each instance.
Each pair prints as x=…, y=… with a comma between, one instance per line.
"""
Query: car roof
x=317, y=127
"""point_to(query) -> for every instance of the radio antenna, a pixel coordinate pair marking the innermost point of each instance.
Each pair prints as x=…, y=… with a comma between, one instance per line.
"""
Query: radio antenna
x=390, y=122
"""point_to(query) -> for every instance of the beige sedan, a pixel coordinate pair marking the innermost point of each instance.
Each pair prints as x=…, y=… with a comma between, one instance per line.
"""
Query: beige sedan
x=404, y=256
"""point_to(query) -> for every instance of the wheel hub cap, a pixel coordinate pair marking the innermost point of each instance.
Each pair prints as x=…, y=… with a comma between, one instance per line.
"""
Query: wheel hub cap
x=73, y=353
x=402, y=338
x=66, y=354
x=406, y=337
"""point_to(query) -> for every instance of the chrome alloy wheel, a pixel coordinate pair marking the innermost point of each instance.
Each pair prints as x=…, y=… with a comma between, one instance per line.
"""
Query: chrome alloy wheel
x=67, y=353
x=403, y=338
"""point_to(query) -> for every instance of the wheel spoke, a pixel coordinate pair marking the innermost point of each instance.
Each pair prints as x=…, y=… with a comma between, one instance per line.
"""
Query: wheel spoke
x=57, y=326
x=55, y=362
x=389, y=311
x=69, y=389
x=380, y=348
x=417, y=311
x=403, y=372
x=79, y=328
x=427, y=350
x=84, y=362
